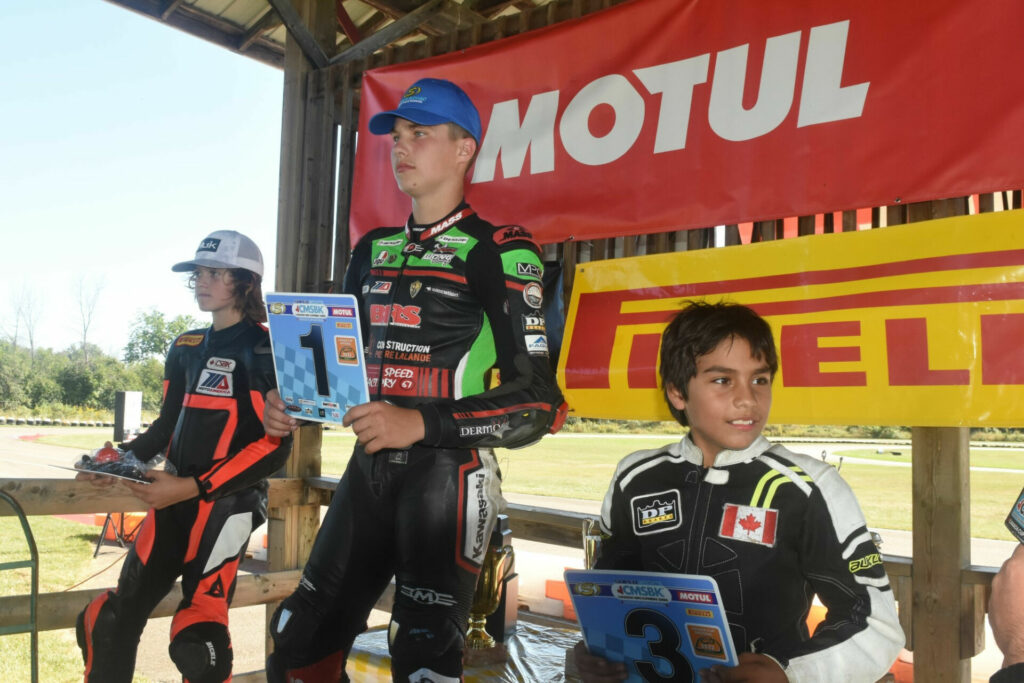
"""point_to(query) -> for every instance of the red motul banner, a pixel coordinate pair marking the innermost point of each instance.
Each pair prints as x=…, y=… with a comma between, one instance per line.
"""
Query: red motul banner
x=662, y=115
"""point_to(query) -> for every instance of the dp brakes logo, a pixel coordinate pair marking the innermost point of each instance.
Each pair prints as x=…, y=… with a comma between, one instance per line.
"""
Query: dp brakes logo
x=656, y=512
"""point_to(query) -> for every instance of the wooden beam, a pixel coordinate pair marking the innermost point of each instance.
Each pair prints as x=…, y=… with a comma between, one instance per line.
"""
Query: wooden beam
x=266, y=23
x=67, y=496
x=489, y=8
x=388, y=34
x=59, y=610
x=299, y=32
x=208, y=27
x=348, y=27
x=169, y=10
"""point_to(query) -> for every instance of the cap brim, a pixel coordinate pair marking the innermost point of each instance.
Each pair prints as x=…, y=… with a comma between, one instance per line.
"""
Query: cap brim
x=186, y=266
x=384, y=122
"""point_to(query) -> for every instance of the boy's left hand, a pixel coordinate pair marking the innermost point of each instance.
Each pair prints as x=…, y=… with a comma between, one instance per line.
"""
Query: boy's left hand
x=378, y=424
x=165, y=490
x=752, y=668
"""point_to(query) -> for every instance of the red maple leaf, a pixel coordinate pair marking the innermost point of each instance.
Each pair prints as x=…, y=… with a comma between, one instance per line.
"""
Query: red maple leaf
x=750, y=523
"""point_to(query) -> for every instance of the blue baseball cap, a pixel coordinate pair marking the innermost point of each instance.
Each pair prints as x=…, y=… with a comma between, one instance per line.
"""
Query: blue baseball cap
x=429, y=102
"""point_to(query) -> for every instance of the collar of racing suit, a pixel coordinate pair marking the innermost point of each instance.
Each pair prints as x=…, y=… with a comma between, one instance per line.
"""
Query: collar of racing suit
x=417, y=232
x=691, y=453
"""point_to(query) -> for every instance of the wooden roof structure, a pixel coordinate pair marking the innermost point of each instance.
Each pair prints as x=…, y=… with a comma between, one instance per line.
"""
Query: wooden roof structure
x=258, y=29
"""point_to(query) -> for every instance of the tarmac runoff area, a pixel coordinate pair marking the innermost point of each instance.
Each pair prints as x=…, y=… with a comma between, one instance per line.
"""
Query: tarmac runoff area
x=539, y=565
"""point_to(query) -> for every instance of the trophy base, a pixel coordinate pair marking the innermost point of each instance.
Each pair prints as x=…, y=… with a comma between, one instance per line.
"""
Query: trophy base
x=497, y=654
x=477, y=637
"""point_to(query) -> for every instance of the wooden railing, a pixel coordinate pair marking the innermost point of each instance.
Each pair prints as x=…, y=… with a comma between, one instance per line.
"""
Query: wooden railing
x=547, y=525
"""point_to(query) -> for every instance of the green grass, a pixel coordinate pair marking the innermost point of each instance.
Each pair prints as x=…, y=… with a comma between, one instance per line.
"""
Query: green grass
x=540, y=469
x=980, y=457
x=885, y=497
x=884, y=492
x=65, y=551
x=543, y=469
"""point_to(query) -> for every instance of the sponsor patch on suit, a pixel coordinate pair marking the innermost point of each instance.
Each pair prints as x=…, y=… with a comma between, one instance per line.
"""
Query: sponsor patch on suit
x=749, y=524
x=214, y=383
x=654, y=512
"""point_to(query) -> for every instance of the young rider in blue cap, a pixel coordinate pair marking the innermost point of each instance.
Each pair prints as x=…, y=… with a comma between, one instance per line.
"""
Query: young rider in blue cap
x=444, y=299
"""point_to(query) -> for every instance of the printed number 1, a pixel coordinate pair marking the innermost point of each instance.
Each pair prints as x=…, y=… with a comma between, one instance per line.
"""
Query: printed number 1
x=666, y=646
x=314, y=341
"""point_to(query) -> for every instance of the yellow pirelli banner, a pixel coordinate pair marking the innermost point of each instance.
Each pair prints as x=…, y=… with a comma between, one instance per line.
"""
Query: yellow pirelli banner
x=919, y=324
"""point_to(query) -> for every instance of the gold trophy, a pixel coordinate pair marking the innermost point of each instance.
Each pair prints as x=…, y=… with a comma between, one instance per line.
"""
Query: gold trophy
x=591, y=541
x=497, y=563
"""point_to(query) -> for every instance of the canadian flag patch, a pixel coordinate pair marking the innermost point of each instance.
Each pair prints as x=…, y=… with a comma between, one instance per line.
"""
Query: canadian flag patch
x=744, y=523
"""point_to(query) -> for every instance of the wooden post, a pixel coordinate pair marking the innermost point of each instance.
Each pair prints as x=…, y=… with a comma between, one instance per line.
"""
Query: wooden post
x=304, y=210
x=347, y=117
x=293, y=202
x=946, y=630
x=942, y=607
x=316, y=224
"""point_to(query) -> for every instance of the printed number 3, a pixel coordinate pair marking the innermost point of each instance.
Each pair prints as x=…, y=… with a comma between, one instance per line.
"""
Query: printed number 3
x=666, y=647
x=314, y=341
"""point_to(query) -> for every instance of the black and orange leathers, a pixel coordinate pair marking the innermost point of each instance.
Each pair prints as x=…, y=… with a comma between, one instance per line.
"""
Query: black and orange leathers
x=210, y=426
x=440, y=306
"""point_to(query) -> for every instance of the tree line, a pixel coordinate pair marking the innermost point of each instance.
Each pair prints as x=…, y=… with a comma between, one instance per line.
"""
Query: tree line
x=83, y=378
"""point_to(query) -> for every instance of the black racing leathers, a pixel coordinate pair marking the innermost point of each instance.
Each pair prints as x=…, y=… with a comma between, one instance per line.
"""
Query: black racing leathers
x=441, y=305
x=211, y=421
x=211, y=428
x=773, y=528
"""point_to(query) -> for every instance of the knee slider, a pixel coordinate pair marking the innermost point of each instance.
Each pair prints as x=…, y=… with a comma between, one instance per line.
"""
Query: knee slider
x=202, y=653
x=424, y=639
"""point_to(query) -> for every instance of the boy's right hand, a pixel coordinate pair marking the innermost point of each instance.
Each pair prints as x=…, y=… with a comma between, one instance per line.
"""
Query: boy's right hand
x=276, y=420
x=593, y=669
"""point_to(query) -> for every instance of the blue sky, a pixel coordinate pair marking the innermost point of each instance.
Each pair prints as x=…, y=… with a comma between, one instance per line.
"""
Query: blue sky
x=122, y=143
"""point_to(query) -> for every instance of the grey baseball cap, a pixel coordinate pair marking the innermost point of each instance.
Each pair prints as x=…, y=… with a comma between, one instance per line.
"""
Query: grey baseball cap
x=225, y=249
